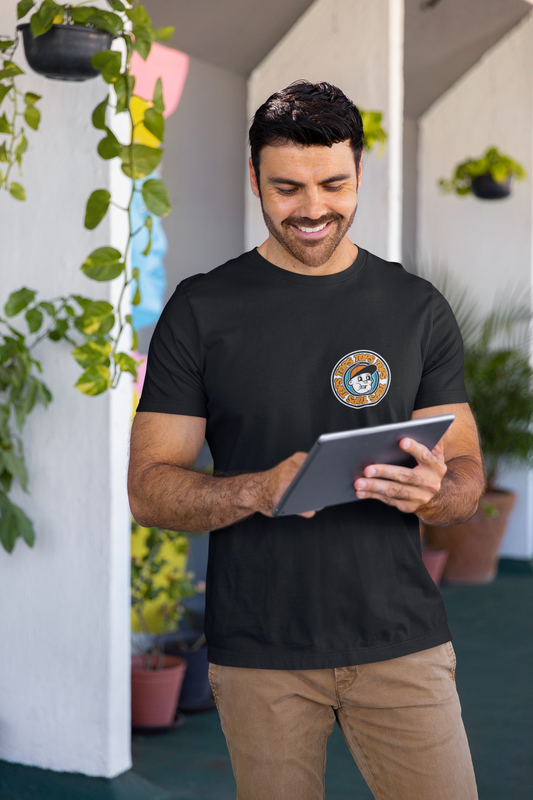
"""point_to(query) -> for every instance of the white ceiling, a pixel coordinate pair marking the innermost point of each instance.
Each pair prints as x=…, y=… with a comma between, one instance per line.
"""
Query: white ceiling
x=443, y=38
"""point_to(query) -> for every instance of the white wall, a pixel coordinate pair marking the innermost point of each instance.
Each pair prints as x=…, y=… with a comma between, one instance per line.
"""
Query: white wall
x=358, y=46
x=64, y=626
x=488, y=245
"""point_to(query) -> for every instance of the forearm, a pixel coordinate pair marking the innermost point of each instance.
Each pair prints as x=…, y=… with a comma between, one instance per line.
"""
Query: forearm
x=171, y=497
x=458, y=497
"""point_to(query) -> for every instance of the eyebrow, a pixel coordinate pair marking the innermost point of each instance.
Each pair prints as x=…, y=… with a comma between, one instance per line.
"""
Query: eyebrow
x=290, y=182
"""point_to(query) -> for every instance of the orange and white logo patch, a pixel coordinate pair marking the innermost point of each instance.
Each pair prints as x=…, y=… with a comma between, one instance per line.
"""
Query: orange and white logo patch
x=361, y=379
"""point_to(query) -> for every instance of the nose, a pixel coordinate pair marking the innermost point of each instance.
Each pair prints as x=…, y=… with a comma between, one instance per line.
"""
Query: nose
x=312, y=205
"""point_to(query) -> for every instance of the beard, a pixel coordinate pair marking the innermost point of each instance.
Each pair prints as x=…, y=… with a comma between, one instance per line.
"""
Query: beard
x=312, y=253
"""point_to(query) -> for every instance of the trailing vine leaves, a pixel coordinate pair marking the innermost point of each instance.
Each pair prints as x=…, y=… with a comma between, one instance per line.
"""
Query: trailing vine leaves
x=97, y=331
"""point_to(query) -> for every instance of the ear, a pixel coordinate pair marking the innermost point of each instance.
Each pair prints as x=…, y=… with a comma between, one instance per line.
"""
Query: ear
x=359, y=172
x=253, y=179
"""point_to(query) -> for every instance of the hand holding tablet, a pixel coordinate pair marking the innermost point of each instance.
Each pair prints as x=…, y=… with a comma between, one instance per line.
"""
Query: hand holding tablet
x=337, y=460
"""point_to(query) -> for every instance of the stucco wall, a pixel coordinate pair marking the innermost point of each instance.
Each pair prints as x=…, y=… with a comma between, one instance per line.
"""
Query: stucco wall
x=358, y=46
x=487, y=245
x=64, y=626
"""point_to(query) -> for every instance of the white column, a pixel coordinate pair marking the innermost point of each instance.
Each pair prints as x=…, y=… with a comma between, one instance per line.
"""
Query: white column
x=358, y=46
x=64, y=627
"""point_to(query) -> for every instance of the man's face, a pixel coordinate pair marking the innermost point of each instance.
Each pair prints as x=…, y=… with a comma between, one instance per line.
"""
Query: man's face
x=308, y=196
x=362, y=383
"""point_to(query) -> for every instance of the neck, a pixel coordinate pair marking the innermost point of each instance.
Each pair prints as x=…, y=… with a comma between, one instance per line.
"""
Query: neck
x=343, y=257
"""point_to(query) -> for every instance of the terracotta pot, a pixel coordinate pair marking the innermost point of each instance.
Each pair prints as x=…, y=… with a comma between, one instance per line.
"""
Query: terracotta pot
x=155, y=692
x=435, y=561
x=473, y=546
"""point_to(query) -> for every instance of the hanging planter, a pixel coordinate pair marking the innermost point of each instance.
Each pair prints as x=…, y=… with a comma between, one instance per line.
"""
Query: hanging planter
x=64, y=52
x=488, y=177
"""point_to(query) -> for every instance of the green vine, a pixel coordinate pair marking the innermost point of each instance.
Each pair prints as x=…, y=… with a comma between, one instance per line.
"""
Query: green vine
x=99, y=333
x=493, y=162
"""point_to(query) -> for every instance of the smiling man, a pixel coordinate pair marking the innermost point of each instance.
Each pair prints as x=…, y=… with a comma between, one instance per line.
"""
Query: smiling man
x=328, y=616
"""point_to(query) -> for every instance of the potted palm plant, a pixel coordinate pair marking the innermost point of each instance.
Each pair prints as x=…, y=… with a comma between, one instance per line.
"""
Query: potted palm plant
x=157, y=677
x=499, y=383
x=488, y=177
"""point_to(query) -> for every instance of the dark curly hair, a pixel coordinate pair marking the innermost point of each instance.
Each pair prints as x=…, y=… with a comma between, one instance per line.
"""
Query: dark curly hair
x=306, y=113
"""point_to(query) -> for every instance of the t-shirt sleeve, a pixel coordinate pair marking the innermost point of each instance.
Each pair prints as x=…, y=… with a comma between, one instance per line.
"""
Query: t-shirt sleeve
x=443, y=372
x=173, y=383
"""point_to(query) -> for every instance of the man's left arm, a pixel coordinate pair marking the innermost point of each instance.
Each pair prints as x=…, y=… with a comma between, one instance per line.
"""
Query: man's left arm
x=445, y=486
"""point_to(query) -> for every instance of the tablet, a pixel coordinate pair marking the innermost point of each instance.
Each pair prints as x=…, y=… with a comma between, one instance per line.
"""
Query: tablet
x=336, y=460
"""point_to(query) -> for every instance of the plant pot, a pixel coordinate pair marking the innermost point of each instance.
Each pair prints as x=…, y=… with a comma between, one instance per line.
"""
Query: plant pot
x=435, y=561
x=485, y=187
x=196, y=690
x=155, y=692
x=473, y=546
x=65, y=51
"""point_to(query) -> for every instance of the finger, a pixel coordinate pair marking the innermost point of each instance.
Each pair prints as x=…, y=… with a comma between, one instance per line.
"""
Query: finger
x=307, y=514
x=366, y=488
x=417, y=450
x=392, y=473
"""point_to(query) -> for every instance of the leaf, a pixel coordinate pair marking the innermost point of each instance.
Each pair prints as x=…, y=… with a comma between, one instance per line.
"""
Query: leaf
x=34, y=318
x=30, y=98
x=142, y=41
x=3, y=152
x=126, y=363
x=154, y=122
x=164, y=34
x=10, y=70
x=148, y=224
x=17, y=191
x=5, y=126
x=106, y=21
x=59, y=331
x=123, y=86
x=18, y=301
x=158, y=101
x=139, y=16
x=136, y=297
x=22, y=146
x=117, y=5
x=23, y=7
x=45, y=395
x=104, y=264
x=32, y=116
x=3, y=91
x=98, y=117
x=155, y=196
x=143, y=161
x=81, y=16
x=5, y=44
x=92, y=353
x=48, y=307
x=109, y=146
x=15, y=465
x=14, y=524
x=94, y=380
x=97, y=206
x=108, y=62
x=43, y=19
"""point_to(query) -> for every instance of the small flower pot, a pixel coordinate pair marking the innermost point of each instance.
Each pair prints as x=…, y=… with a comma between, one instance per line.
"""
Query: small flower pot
x=196, y=692
x=64, y=52
x=155, y=692
x=485, y=187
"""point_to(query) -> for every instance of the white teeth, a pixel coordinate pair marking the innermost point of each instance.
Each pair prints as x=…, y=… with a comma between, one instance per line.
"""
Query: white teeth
x=312, y=230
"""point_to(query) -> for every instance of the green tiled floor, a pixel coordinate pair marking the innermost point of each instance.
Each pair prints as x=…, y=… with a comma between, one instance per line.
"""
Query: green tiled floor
x=493, y=638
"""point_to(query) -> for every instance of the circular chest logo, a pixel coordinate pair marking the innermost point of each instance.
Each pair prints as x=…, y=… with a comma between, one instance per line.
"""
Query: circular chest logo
x=360, y=379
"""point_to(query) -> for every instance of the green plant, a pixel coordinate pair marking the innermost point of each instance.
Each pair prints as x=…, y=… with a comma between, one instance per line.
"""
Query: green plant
x=175, y=587
x=99, y=333
x=500, y=166
x=373, y=131
x=498, y=375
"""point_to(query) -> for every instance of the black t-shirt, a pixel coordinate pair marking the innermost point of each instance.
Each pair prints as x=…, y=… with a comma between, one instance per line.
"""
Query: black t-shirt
x=272, y=359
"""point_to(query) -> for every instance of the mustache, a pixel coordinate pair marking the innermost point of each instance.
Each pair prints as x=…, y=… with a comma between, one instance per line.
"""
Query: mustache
x=307, y=222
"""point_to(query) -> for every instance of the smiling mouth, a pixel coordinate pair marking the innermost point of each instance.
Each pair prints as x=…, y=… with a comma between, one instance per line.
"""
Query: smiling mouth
x=309, y=232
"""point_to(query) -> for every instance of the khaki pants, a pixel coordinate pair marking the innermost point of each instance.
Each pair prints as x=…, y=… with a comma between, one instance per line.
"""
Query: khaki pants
x=400, y=718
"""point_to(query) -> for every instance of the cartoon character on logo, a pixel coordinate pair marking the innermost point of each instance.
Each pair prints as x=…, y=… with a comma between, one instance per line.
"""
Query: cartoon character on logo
x=361, y=379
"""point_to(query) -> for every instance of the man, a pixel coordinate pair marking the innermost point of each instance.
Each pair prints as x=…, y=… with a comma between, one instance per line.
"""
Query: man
x=329, y=615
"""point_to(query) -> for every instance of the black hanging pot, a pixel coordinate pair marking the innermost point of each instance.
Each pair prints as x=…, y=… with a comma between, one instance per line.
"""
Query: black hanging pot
x=65, y=51
x=485, y=187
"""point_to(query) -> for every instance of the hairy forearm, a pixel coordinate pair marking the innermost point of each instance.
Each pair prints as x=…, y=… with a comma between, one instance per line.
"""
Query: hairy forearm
x=458, y=498
x=171, y=497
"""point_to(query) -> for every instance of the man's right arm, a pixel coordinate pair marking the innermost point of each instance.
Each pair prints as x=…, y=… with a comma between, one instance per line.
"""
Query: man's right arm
x=164, y=492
